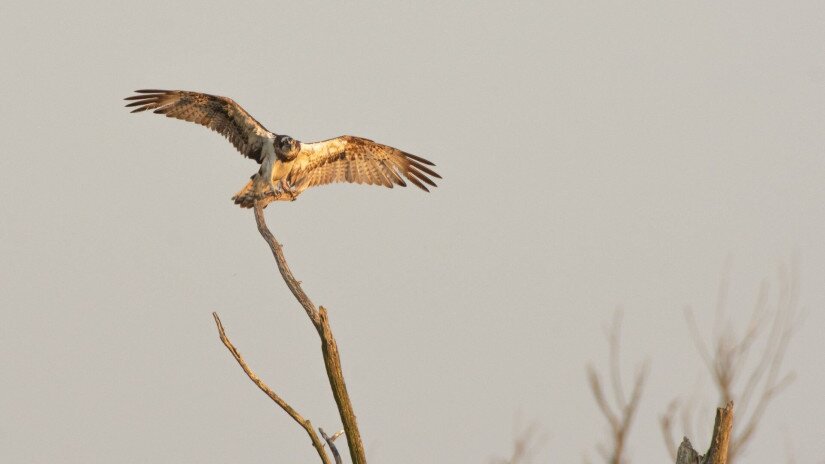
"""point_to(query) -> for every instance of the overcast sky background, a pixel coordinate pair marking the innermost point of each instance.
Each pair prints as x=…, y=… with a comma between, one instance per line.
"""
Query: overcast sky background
x=595, y=155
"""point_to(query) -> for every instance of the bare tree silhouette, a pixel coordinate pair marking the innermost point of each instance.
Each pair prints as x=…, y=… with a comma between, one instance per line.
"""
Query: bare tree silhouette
x=746, y=368
x=332, y=361
x=527, y=442
x=619, y=415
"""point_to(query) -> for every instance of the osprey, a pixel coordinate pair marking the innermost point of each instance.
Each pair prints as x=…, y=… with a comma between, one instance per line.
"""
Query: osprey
x=288, y=166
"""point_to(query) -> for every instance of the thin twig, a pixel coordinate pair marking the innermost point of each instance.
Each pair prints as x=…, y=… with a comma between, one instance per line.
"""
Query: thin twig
x=620, y=420
x=305, y=423
x=666, y=426
x=331, y=442
x=614, y=336
x=527, y=442
x=746, y=367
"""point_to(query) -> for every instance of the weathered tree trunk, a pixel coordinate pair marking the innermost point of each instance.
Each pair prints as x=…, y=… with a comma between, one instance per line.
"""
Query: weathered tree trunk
x=718, y=451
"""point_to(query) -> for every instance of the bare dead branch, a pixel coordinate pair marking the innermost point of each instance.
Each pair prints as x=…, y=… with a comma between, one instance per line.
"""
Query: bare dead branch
x=630, y=408
x=332, y=362
x=698, y=340
x=331, y=443
x=680, y=420
x=283, y=267
x=526, y=444
x=614, y=337
x=305, y=423
x=719, y=443
x=329, y=347
x=620, y=416
x=686, y=454
x=601, y=401
x=666, y=426
x=746, y=367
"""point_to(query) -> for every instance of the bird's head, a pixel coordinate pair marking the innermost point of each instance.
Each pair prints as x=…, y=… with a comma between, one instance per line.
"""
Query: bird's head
x=287, y=146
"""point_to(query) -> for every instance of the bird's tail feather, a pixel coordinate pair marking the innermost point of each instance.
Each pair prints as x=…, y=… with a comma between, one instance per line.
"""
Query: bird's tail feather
x=245, y=198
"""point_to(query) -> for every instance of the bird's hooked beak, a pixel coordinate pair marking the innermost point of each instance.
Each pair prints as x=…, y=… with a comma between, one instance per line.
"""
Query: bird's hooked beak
x=287, y=148
x=294, y=148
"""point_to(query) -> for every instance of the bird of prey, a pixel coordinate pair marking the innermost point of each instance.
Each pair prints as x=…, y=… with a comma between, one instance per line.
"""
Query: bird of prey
x=288, y=166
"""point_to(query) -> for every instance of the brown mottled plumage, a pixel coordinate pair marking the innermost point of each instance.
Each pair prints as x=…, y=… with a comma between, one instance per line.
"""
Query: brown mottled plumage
x=288, y=167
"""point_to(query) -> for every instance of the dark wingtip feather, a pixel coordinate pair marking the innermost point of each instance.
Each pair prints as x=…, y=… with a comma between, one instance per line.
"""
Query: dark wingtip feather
x=143, y=97
x=419, y=159
x=389, y=170
x=414, y=172
x=152, y=91
x=424, y=169
x=417, y=183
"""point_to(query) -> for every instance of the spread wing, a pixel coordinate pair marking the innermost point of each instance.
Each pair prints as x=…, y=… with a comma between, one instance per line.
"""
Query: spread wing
x=358, y=160
x=220, y=114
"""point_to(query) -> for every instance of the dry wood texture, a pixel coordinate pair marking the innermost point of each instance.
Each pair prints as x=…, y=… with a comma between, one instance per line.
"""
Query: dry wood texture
x=305, y=423
x=329, y=347
x=719, y=442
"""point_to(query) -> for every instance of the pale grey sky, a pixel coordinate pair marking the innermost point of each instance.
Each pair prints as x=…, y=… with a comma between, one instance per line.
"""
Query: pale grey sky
x=594, y=155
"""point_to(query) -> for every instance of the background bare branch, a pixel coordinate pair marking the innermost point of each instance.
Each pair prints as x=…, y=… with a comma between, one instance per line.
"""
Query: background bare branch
x=527, y=442
x=619, y=415
x=745, y=367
